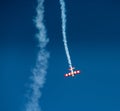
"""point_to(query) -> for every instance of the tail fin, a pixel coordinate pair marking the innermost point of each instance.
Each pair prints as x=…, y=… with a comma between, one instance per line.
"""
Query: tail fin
x=71, y=68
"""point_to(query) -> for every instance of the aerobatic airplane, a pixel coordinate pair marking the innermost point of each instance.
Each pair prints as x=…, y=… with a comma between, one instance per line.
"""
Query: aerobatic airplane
x=72, y=73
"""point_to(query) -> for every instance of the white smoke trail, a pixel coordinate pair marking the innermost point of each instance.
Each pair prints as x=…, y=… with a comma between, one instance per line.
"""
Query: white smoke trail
x=63, y=17
x=39, y=72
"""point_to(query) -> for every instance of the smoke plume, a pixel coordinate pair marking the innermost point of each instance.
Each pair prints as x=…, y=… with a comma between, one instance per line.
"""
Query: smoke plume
x=63, y=17
x=39, y=72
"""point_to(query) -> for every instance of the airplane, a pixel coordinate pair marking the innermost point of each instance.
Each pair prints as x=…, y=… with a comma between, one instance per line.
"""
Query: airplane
x=72, y=73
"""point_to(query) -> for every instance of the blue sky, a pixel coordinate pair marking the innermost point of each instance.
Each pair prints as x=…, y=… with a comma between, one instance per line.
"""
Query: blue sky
x=93, y=30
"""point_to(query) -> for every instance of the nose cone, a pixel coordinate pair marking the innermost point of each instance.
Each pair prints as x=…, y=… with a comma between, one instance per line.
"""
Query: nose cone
x=73, y=75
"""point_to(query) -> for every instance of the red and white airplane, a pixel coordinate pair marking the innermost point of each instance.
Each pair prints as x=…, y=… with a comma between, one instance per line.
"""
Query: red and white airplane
x=72, y=73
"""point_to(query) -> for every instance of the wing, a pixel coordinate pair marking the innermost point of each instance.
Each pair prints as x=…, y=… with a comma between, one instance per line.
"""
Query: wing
x=70, y=74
